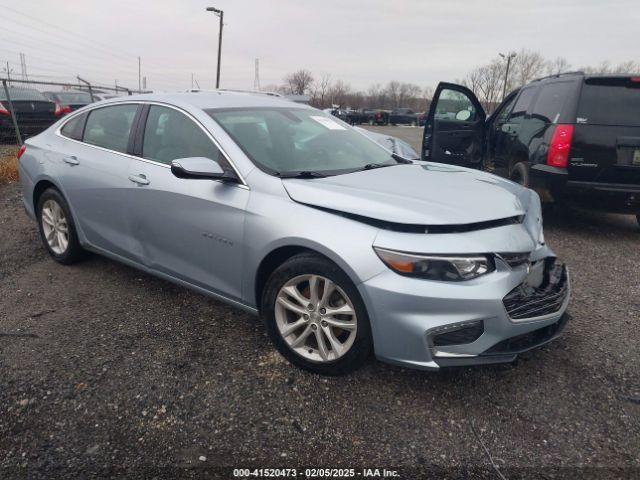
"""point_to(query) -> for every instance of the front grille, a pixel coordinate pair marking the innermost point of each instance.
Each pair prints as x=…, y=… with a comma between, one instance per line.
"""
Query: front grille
x=529, y=302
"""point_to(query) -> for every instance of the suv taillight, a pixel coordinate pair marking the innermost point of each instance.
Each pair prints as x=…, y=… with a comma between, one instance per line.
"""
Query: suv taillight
x=558, y=155
x=23, y=148
x=3, y=110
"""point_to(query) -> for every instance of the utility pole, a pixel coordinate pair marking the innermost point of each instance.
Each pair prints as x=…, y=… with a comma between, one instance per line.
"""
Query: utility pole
x=144, y=83
x=139, y=75
x=8, y=70
x=220, y=14
x=23, y=67
x=256, y=80
x=508, y=57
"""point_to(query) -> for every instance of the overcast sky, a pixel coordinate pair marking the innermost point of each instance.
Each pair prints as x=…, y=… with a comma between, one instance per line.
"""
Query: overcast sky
x=359, y=41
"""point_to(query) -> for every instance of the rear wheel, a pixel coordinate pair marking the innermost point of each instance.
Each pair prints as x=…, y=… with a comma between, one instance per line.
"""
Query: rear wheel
x=520, y=174
x=57, y=230
x=315, y=316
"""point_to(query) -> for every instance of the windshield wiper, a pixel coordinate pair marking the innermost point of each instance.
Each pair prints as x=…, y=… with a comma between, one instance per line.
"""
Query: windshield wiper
x=400, y=159
x=302, y=174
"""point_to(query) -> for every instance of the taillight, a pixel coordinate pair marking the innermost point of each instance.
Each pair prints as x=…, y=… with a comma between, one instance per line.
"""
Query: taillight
x=3, y=110
x=558, y=155
x=23, y=149
x=59, y=110
x=378, y=115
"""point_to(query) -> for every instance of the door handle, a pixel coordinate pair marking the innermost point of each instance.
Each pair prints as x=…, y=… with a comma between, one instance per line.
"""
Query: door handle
x=72, y=160
x=139, y=179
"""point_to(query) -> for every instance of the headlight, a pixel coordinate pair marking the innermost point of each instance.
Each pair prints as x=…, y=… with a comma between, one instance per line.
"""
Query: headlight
x=451, y=268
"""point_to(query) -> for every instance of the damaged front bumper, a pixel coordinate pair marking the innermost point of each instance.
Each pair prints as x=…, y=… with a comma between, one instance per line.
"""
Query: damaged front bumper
x=428, y=325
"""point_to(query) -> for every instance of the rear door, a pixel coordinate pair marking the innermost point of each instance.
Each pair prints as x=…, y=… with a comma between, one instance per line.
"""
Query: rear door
x=606, y=139
x=454, y=130
x=93, y=169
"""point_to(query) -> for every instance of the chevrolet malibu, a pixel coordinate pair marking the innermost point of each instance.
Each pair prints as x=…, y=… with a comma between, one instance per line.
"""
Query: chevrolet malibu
x=341, y=246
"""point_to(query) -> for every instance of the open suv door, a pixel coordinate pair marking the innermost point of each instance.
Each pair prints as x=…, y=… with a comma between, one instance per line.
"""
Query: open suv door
x=454, y=129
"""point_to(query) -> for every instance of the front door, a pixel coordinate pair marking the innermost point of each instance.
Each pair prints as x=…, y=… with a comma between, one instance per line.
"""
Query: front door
x=189, y=229
x=454, y=130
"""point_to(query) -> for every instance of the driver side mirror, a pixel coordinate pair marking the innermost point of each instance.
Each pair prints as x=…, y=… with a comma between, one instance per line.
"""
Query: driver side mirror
x=201, y=168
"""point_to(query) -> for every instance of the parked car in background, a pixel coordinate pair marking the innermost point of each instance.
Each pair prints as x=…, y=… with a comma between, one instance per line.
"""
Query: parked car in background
x=393, y=144
x=337, y=112
x=403, y=116
x=572, y=137
x=376, y=116
x=355, y=117
x=341, y=246
x=97, y=97
x=34, y=112
x=71, y=99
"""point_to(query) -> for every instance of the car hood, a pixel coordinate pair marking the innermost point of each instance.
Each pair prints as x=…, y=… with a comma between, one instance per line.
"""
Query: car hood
x=419, y=194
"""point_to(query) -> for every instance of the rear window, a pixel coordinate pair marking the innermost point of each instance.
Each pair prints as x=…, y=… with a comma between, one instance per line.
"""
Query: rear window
x=73, y=97
x=28, y=94
x=551, y=101
x=610, y=101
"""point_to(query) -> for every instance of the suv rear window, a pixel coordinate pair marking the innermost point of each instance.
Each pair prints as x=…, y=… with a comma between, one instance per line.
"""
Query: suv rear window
x=610, y=101
x=551, y=101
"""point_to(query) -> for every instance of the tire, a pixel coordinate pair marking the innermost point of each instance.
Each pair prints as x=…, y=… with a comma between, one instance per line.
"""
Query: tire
x=298, y=272
x=54, y=217
x=520, y=174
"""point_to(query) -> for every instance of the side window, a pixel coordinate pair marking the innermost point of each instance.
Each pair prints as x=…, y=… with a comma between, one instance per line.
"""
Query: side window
x=109, y=127
x=522, y=105
x=170, y=134
x=456, y=106
x=73, y=128
x=550, y=102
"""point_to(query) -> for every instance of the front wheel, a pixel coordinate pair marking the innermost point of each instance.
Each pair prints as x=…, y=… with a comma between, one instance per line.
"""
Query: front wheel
x=57, y=230
x=316, y=317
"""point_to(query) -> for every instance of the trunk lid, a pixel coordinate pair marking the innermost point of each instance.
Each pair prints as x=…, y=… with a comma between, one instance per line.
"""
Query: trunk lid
x=606, y=140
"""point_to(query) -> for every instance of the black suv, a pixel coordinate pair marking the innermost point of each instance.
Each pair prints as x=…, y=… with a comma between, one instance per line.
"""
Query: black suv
x=571, y=137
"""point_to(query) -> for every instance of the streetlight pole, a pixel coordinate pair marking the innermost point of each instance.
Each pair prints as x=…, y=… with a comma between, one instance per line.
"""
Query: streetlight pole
x=508, y=57
x=220, y=14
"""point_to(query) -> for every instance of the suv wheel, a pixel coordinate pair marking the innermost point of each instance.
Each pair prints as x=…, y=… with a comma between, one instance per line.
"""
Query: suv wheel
x=57, y=230
x=315, y=316
x=520, y=174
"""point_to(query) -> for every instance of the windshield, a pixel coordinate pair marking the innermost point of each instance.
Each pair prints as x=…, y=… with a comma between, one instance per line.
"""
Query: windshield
x=285, y=141
x=74, y=97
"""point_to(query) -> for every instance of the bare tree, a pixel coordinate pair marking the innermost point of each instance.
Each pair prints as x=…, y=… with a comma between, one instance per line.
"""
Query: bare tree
x=299, y=82
x=339, y=92
x=320, y=90
x=527, y=66
x=557, y=66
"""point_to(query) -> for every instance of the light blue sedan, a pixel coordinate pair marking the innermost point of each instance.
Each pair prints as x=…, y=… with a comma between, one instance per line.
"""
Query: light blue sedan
x=341, y=246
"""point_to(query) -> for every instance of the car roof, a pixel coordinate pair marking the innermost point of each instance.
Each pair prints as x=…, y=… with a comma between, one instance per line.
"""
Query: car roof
x=216, y=99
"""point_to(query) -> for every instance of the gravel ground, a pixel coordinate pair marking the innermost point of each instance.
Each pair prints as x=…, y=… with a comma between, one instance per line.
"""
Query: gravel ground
x=107, y=371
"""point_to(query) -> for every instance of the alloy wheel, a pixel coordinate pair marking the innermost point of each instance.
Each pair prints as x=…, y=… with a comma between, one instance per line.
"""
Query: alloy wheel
x=316, y=318
x=55, y=226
